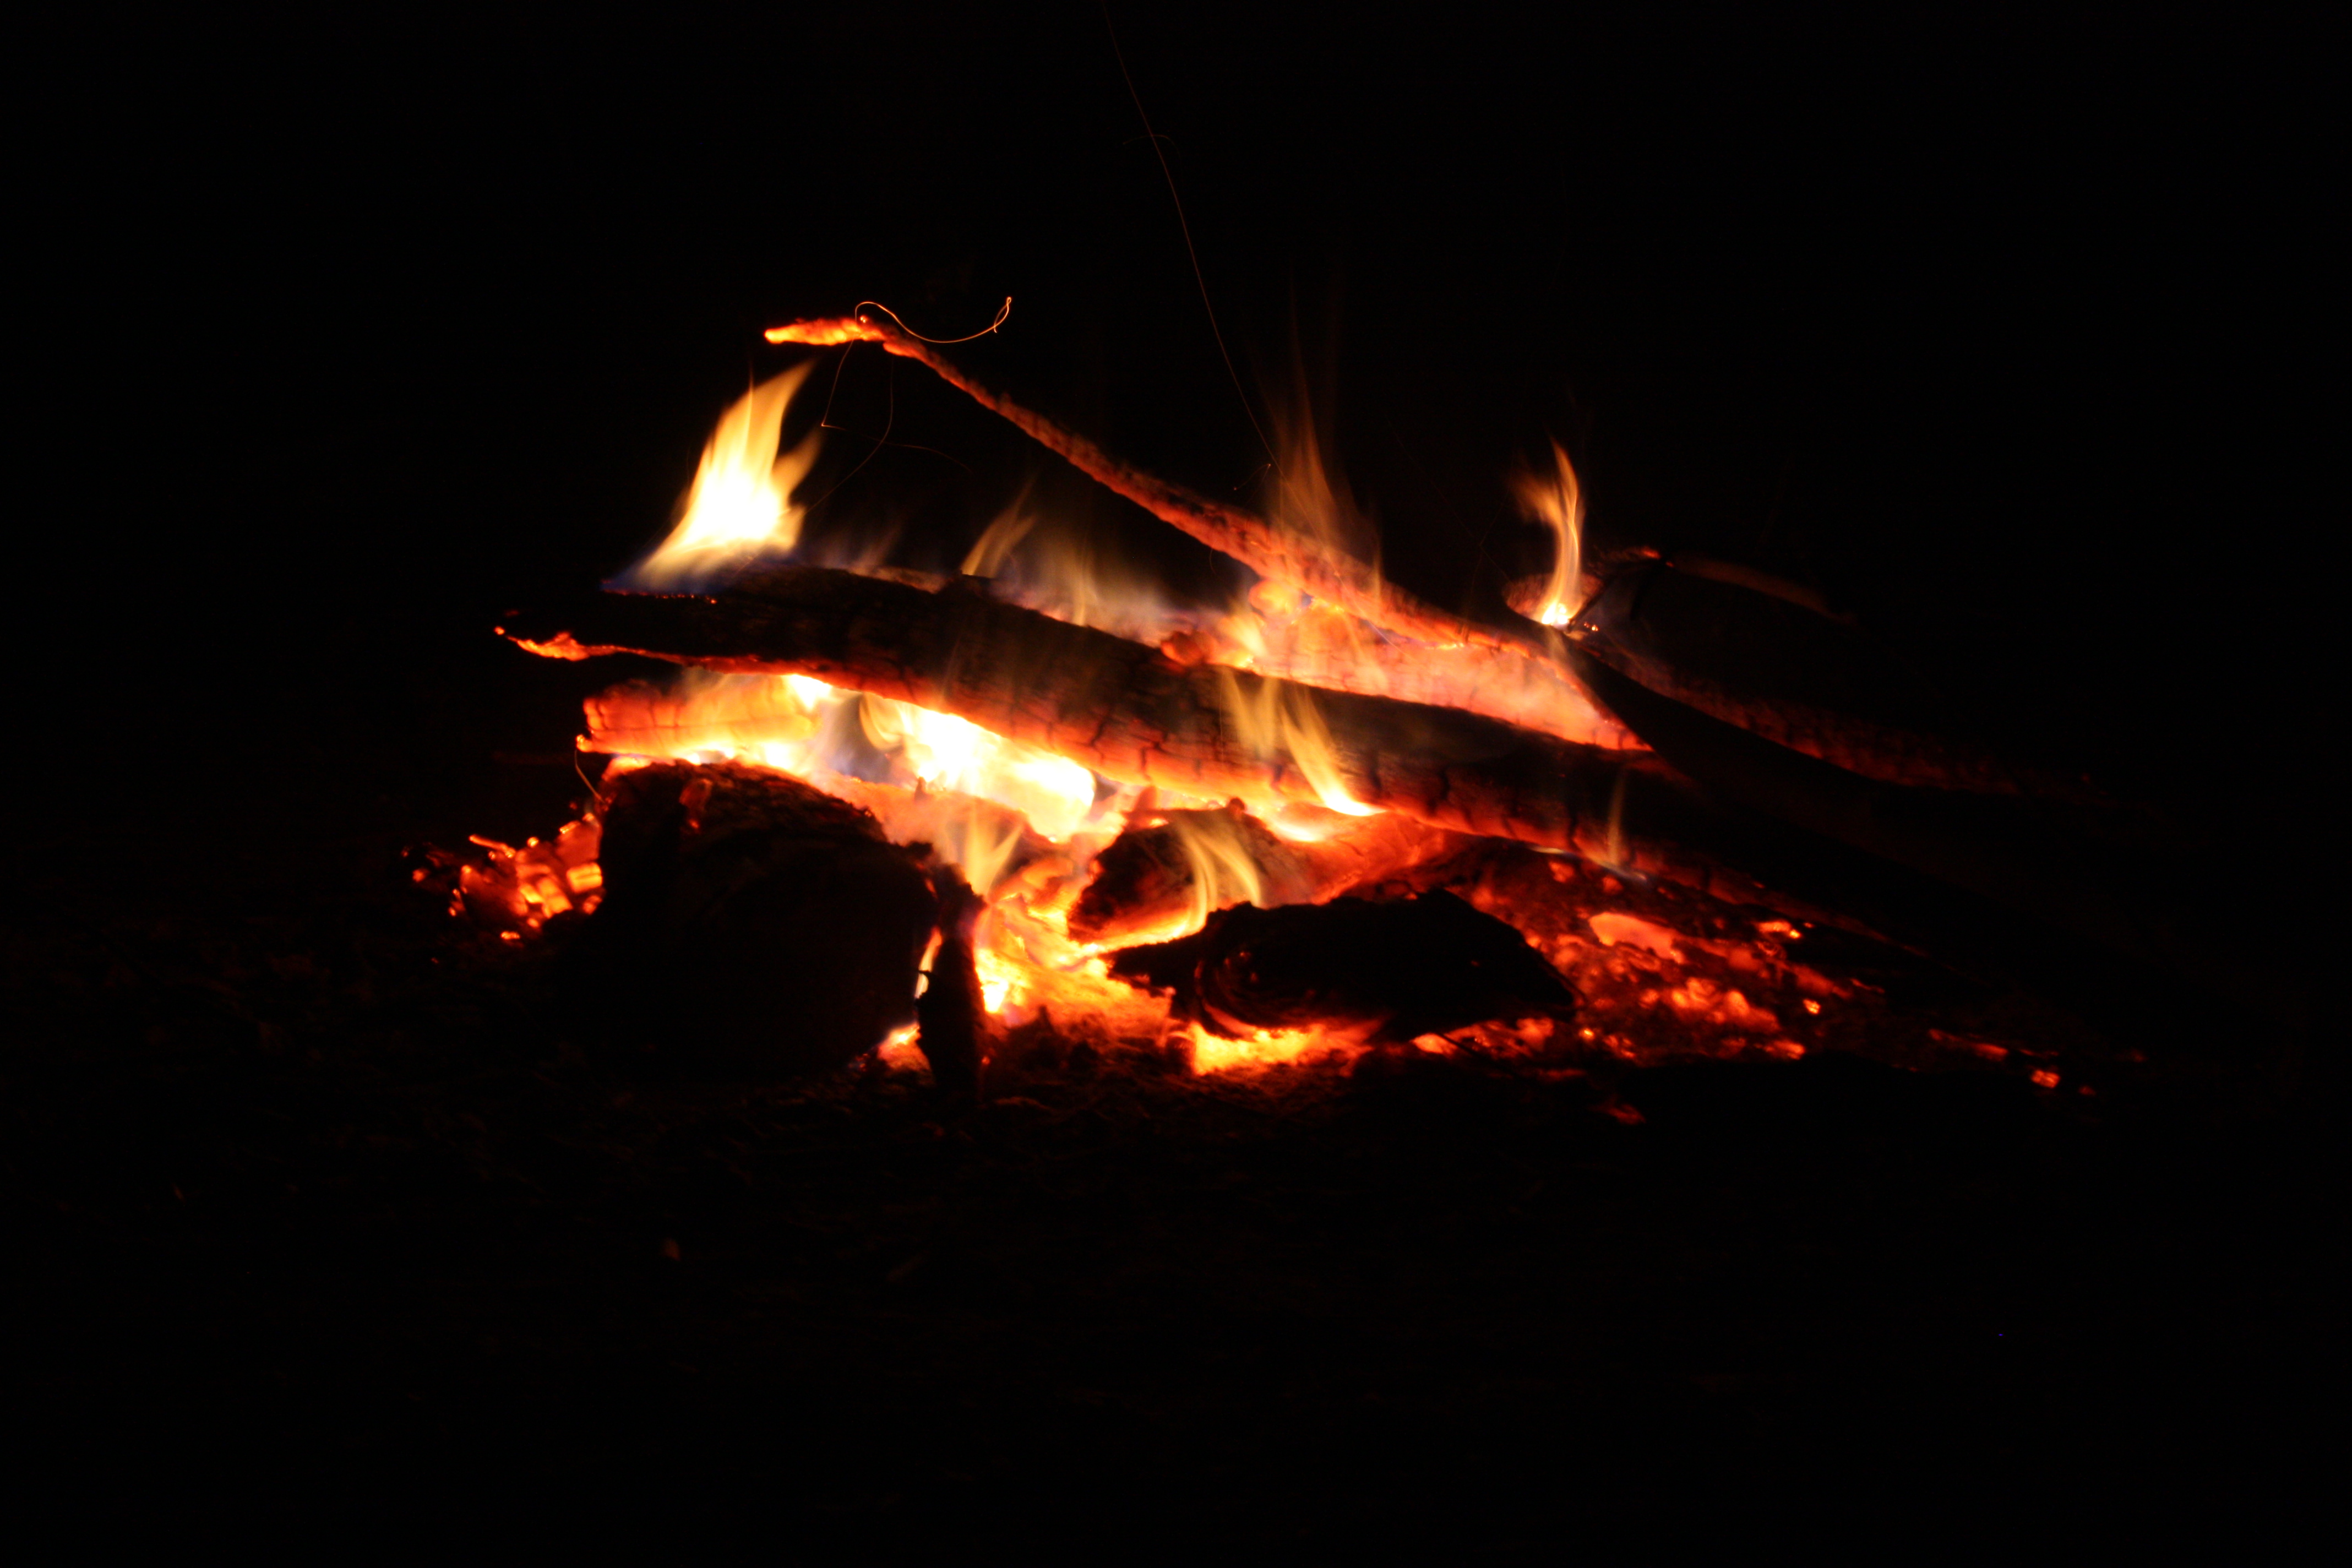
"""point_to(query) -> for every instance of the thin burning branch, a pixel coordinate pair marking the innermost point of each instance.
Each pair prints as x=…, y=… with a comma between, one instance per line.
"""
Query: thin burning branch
x=1272, y=552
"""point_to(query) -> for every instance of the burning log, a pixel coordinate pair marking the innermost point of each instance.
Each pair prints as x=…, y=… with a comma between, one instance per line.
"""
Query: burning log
x=1132, y=715
x=1375, y=971
x=751, y=925
x=1718, y=810
x=1265, y=548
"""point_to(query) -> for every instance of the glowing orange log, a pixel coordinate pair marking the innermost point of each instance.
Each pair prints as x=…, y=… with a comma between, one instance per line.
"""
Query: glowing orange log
x=1131, y=714
x=1272, y=552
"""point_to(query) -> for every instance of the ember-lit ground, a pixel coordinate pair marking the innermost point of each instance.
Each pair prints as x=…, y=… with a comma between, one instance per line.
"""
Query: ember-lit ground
x=310, y=1202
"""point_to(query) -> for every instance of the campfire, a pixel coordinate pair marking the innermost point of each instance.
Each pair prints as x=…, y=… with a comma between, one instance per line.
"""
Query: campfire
x=1023, y=816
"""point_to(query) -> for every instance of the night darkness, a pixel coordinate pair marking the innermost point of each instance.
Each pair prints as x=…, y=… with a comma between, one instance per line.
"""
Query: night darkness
x=353, y=334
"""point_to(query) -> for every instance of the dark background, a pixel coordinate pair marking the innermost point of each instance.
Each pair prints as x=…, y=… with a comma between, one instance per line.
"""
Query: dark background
x=1999, y=326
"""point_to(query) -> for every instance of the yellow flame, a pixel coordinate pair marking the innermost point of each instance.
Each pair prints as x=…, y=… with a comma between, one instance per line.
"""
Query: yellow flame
x=1223, y=871
x=1055, y=565
x=951, y=753
x=1556, y=500
x=900, y=1049
x=1000, y=979
x=1279, y=720
x=995, y=547
x=740, y=501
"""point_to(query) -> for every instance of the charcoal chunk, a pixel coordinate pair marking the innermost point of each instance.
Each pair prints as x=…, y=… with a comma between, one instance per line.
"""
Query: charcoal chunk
x=752, y=927
x=1399, y=970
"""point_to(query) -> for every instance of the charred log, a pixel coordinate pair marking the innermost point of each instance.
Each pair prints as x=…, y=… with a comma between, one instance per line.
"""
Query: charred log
x=2004, y=886
x=1385, y=971
x=752, y=927
x=1744, y=649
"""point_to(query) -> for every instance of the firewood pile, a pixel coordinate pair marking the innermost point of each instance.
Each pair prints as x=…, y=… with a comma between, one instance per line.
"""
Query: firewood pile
x=1664, y=805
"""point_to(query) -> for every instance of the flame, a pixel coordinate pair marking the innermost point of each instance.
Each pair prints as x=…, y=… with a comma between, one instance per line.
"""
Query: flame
x=1055, y=794
x=707, y=714
x=1025, y=824
x=900, y=1050
x=1057, y=567
x=1224, y=872
x=1276, y=719
x=1310, y=499
x=993, y=549
x=1556, y=500
x=740, y=505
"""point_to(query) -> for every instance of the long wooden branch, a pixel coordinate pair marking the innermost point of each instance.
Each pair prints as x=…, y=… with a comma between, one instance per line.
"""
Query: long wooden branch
x=1256, y=541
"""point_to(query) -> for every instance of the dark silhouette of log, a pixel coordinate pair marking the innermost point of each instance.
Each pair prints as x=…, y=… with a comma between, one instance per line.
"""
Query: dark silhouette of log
x=954, y=1019
x=1784, y=670
x=752, y=927
x=2060, y=883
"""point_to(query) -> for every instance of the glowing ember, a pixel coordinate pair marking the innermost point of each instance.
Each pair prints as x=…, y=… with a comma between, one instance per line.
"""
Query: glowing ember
x=1267, y=1048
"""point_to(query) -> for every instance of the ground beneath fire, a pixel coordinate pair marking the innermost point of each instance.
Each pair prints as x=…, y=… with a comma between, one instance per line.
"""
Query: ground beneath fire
x=311, y=1204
